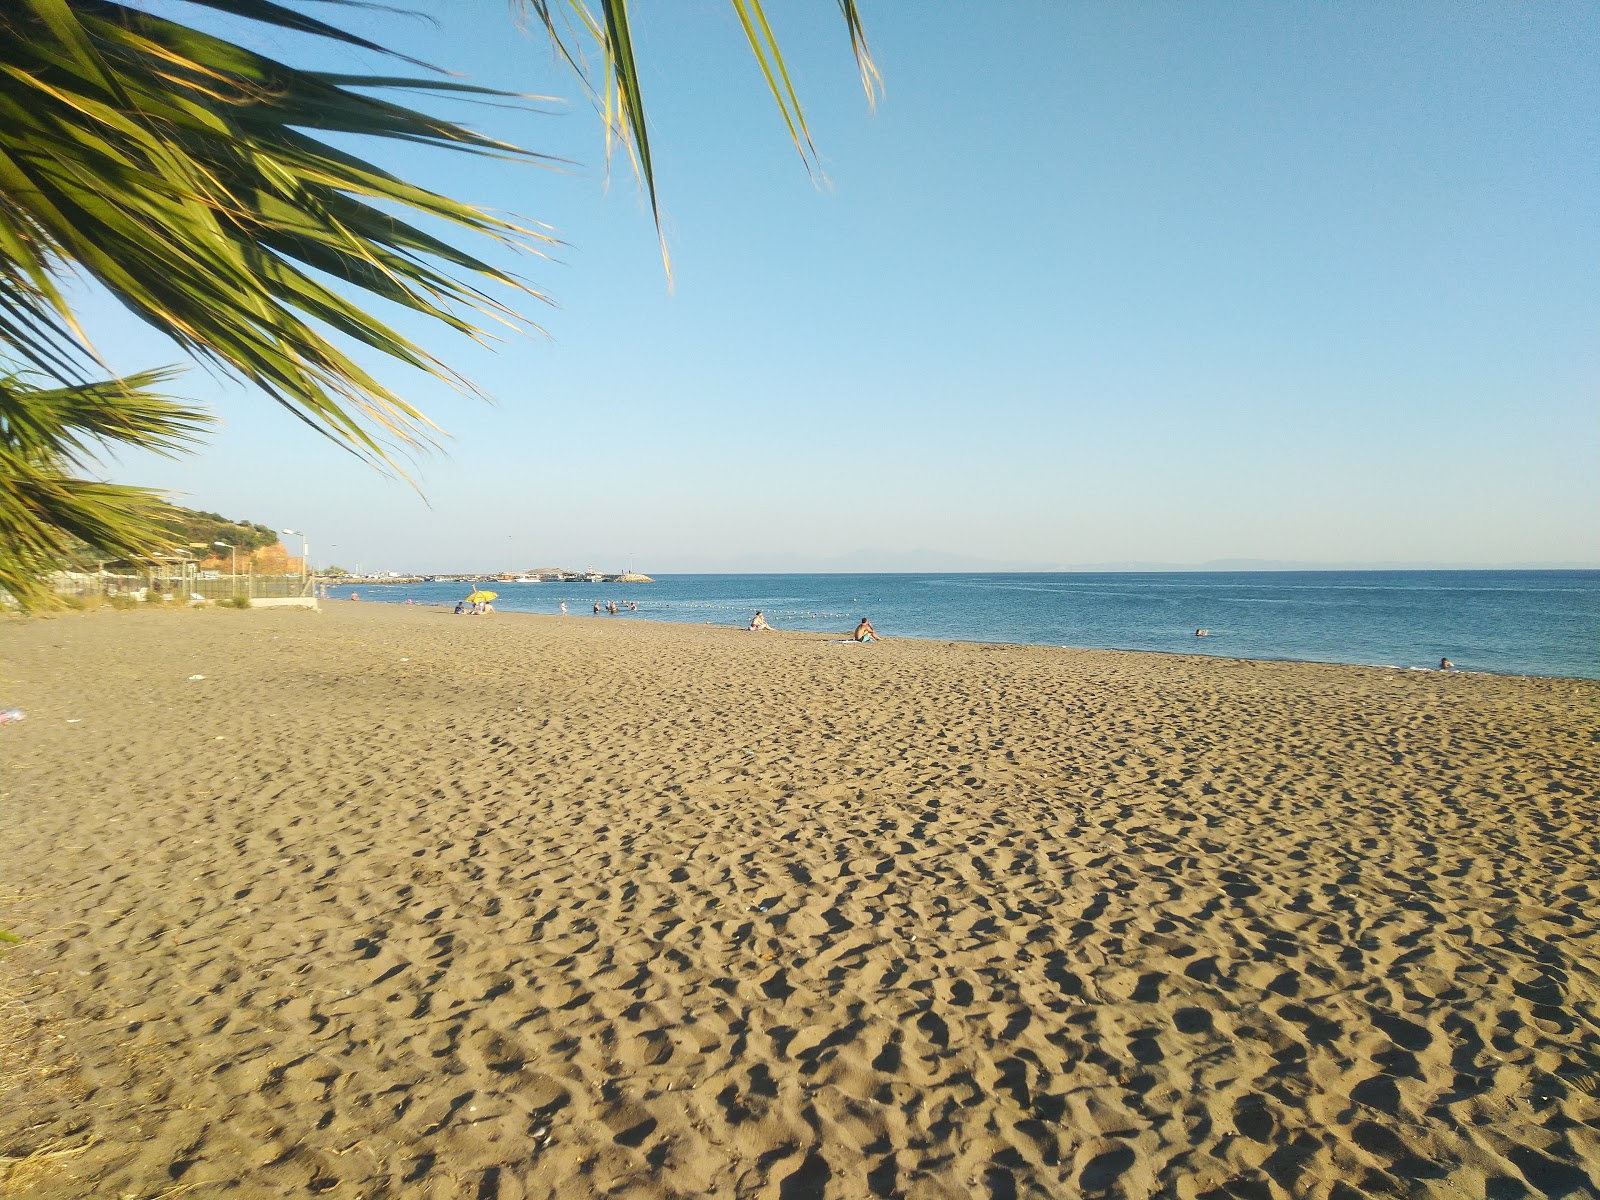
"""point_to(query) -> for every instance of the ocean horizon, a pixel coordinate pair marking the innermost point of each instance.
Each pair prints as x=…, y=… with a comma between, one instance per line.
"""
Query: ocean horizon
x=1513, y=622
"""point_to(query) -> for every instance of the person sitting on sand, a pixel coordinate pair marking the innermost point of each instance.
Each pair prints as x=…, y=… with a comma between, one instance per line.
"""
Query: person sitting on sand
x=866, y=633
x=758, y=622
x=461, y=607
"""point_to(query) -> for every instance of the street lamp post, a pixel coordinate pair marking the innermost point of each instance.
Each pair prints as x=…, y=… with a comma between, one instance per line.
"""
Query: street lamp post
x=305, y=551
x=234, y=585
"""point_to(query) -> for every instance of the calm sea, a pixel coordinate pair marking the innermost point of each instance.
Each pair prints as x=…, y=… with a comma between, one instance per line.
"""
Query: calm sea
x=1509, y=622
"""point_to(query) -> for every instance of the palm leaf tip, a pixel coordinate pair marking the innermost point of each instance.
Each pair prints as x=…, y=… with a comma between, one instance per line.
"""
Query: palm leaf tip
x=619, y=97
x=871, y=80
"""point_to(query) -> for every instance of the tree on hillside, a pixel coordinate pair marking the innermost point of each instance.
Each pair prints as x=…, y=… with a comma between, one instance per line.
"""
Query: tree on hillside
x=175, y=168
x=204, y=529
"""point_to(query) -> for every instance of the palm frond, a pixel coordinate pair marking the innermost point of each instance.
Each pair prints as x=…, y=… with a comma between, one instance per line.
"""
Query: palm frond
x=189, y=176
x=48, y=432
x=71, y=423
x=181, y=171
x=620, y=100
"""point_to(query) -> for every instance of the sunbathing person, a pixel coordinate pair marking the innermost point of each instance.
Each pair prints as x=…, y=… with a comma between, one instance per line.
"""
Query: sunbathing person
x=866, y=633
x=758, y=622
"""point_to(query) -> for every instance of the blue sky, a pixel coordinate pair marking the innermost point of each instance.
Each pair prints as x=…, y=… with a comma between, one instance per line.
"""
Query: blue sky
x=1094, y=283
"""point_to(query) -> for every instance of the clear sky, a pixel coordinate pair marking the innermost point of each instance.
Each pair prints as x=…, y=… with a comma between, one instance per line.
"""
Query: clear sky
x=1095, y=283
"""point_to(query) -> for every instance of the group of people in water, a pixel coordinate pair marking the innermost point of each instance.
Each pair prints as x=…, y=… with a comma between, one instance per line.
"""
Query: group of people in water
x=478, y=608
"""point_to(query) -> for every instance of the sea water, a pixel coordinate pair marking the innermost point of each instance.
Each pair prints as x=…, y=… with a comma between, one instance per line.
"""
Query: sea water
x=1509, y=622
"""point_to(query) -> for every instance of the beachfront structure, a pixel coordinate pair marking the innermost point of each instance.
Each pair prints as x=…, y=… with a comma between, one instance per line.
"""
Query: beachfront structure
x=267, y=575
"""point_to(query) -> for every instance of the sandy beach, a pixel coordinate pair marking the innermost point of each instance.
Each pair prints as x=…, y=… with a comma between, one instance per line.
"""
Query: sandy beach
x=380, y=902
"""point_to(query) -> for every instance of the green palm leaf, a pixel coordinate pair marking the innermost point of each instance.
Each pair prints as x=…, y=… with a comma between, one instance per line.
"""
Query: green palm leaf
x=176, y=168
x=47, y=434
x=188, y=176
x=619, y=98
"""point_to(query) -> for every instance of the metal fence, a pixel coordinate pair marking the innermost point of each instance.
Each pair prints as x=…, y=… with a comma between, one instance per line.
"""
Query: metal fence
x=175, y=586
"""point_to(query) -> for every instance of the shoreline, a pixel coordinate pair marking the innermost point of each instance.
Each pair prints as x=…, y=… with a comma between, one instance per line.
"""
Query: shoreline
x=1513, y=623
x=363, y=902
x=631, y=618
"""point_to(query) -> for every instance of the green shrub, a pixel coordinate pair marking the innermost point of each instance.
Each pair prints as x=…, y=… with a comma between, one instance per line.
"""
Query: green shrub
x=122, y=603
x=75, y=603
x=235, y=602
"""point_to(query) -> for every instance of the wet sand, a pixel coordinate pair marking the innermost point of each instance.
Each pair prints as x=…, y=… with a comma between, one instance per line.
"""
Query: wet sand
x=392, y=903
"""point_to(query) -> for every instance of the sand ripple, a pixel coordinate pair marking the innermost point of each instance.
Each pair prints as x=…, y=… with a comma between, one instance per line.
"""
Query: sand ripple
x=397, y=904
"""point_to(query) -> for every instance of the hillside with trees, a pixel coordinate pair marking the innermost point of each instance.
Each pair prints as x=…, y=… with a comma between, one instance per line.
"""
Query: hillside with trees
x=199, y=531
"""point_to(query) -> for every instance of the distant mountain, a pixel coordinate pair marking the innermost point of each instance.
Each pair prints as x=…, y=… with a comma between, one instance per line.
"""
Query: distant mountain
x=857, y=562
x=1264, y=564
x=871, y=561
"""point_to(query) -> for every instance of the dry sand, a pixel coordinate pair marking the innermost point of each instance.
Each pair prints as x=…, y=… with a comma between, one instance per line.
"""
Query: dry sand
x=392, y=903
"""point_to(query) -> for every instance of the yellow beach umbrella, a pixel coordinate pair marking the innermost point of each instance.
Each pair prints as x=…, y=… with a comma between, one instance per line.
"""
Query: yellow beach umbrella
x=482, y=597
